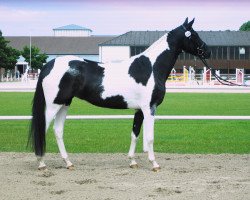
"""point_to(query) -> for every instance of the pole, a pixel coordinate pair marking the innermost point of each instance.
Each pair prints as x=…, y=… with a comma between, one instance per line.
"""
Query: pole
x=30, y=50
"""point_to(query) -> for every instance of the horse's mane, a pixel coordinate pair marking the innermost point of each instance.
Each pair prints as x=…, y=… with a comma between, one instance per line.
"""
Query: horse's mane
x=157, y=47
x=161, y=42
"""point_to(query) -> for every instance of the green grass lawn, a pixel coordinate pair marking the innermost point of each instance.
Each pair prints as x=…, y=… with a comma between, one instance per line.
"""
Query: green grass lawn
x=172, y=136
x=180, y=136
x=13, y=103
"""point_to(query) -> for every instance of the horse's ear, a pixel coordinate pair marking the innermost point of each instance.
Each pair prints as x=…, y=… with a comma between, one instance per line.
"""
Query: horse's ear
x=186, y=22
x=190, y=24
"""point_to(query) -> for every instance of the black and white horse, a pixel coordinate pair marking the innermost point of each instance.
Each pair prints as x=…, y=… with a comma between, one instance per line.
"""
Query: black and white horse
x=137, y=83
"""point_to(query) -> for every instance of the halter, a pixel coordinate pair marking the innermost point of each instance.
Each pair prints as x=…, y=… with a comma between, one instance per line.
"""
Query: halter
x=201, y=53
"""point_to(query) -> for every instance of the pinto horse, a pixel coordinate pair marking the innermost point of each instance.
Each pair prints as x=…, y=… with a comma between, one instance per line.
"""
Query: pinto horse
x=136, y=83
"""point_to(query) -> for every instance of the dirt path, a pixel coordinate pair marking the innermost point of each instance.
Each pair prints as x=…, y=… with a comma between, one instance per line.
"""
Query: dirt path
x=107, y=176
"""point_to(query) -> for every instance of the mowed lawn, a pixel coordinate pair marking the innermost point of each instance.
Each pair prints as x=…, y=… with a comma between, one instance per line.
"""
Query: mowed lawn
x=172, y=136
x=13, y=103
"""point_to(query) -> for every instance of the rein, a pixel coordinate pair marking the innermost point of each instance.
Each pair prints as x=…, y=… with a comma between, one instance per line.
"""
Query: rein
x=221, y=80
x=201, y=54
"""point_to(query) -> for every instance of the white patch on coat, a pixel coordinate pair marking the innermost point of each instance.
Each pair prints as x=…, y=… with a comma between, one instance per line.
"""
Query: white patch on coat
x=117, y=81
x=52, y=80
x=156, y=48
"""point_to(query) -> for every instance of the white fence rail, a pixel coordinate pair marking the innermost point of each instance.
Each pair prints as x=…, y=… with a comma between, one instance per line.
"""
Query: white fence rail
x=159, y=117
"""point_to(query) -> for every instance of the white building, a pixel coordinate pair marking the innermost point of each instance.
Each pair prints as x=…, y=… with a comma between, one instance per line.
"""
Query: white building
x=72, y=30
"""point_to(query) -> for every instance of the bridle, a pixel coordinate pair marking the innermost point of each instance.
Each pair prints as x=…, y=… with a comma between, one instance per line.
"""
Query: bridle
x=199, y=47
x=201, y=55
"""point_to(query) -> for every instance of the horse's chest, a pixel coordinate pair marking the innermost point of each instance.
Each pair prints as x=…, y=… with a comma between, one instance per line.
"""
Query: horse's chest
x=158, y=95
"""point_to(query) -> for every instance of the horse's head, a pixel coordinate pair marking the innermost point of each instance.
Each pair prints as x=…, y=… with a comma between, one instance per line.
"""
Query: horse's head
x=187, y=39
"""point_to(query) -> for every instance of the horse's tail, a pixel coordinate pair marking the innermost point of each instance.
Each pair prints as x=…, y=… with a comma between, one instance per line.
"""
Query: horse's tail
x=38, y=124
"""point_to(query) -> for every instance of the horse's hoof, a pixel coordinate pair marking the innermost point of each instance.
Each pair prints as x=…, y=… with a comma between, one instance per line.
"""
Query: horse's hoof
x=156, y=169
x=71, y=167
x=43, y=168
x=134, y=166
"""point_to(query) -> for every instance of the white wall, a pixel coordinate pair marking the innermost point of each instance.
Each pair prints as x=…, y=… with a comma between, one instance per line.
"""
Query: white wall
x=89, y=57
x=113, y=53
x=72, y=33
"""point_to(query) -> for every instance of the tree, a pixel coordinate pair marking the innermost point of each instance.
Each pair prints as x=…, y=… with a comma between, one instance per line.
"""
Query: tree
x=245, y=26
x=8, y=55
x=37, y=58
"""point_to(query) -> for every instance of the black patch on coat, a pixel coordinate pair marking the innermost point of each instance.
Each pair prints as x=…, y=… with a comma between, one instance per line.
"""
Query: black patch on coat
x=84, y=80
x=141, y=69
x=46, y=69
x=138, y=119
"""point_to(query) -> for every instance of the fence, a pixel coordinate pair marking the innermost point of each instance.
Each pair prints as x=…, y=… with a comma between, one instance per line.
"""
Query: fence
x=190, y=77
x=159, y=117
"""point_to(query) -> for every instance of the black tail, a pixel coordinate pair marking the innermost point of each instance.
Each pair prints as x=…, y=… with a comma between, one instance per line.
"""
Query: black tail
x=38, y=124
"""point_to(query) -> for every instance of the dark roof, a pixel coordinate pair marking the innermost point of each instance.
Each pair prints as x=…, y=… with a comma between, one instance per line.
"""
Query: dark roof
x=60, y=45
x=212, y=38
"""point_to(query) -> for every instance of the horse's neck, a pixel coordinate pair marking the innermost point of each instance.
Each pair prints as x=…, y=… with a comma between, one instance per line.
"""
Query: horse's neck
x=163, y=65
x=162, y=58
x=156, y=48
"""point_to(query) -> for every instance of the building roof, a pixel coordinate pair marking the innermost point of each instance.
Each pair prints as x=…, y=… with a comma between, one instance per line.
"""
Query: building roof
x=212, y=38
x=72, y=27
x=61, y=45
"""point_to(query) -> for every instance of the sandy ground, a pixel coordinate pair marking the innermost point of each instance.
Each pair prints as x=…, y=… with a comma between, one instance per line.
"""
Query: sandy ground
x=107, y=176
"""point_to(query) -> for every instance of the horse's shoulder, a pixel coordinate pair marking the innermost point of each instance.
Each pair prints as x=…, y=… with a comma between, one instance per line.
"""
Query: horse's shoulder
x=140, y=69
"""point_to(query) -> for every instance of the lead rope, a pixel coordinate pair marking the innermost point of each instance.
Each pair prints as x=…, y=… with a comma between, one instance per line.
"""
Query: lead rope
x=221, y=80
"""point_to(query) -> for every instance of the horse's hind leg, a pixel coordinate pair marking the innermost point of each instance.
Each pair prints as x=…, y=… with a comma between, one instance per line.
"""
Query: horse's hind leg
x=58, y=129
x=138, y=118
x=51, y=111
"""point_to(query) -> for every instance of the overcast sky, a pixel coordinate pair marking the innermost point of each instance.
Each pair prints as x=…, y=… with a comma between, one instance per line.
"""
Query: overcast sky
x=113, y=17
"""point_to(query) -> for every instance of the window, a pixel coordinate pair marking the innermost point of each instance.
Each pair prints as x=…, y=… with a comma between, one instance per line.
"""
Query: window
x=135, y=50
x=231, y=53
x=236, y=53
x=247, y=55
x=224, y=53
x=214, y=52
x=219, y=49
x=242, y=52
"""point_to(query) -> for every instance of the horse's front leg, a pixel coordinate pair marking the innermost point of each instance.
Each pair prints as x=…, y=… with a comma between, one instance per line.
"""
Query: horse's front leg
x=138, y=119
x=148, y=127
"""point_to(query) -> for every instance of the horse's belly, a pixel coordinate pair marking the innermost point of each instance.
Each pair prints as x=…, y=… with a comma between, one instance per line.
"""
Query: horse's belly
x=114, y=102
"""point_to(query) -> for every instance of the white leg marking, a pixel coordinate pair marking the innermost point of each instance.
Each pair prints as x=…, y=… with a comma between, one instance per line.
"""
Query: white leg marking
x=51, y=111
x=148, y=127
x=131, y=153
x=58, y=129
x=145, y=144
x=41, y=165
x=134, y=139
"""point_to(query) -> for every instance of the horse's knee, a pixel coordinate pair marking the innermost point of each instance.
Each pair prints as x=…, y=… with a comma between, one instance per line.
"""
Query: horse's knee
x=150, y=141
x=134, y=138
